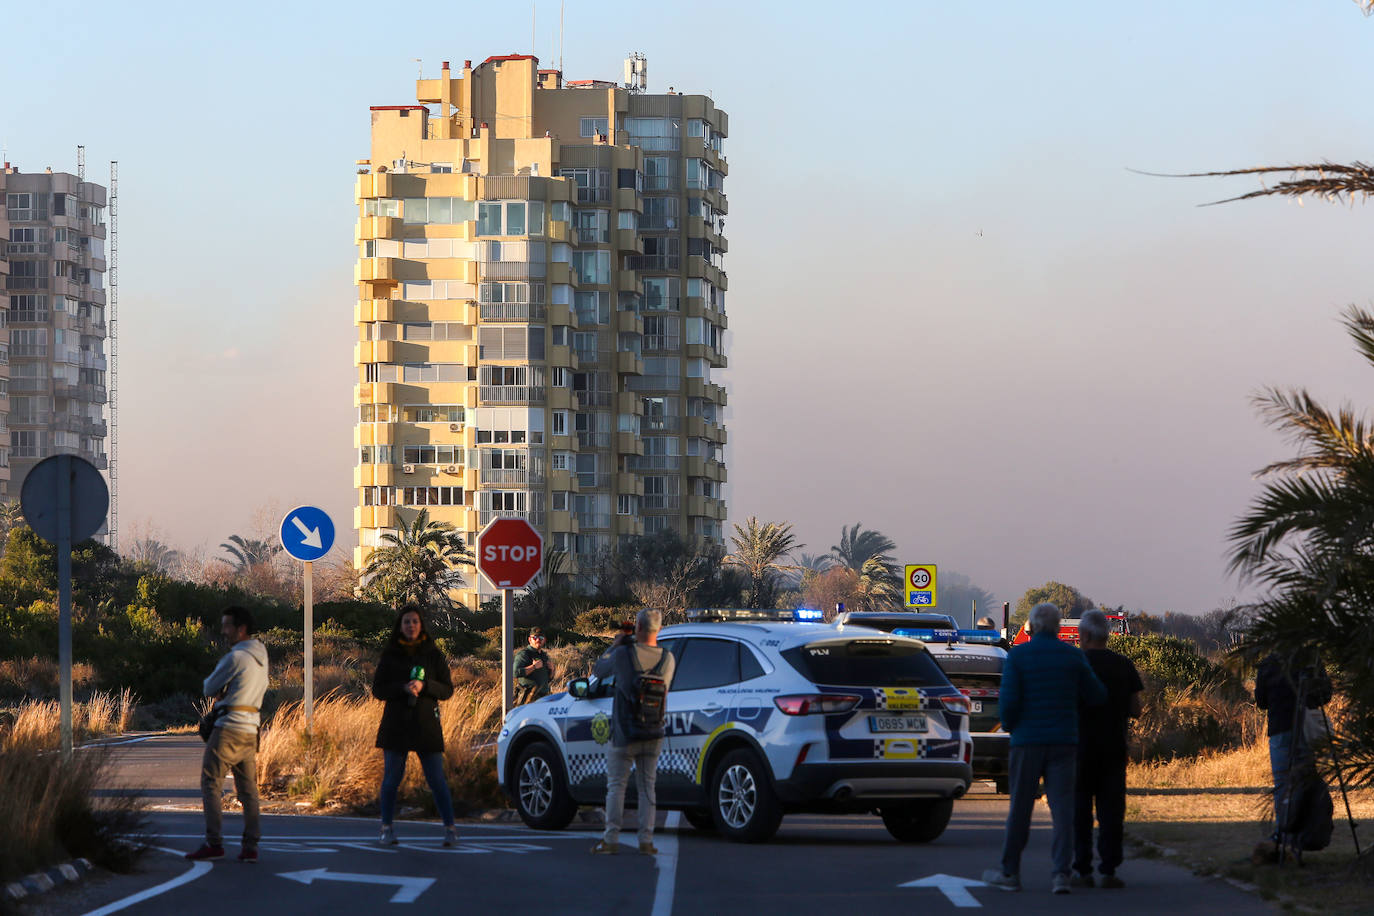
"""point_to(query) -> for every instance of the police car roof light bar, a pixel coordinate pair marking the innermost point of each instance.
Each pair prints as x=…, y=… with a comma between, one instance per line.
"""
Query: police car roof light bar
x=756, y=615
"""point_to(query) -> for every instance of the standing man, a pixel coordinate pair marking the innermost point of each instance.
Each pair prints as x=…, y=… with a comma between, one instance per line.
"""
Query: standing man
x=1102, y=736
x=1043, y=682
x=532, y=670
x=239, y=682
x=643, y=672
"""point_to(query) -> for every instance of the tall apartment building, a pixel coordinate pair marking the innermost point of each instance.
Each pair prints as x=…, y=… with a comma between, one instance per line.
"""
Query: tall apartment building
x=56, y=319
x=541, y=307
x=4, y=344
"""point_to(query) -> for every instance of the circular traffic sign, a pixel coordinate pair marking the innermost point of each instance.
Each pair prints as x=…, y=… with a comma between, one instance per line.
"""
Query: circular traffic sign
x=86, y=499
x=509, y=552
x=307, y=533
x=920, y=577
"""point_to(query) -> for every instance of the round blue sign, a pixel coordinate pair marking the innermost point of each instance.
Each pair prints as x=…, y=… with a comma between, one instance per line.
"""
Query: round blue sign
x=307, y=533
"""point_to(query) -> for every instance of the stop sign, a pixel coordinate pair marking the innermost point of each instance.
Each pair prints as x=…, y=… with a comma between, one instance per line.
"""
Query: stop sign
x=509, y=552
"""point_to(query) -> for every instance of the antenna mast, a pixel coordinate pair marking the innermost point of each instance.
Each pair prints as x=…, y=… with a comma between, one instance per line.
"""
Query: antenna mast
x=80, y=163
x=113, y=372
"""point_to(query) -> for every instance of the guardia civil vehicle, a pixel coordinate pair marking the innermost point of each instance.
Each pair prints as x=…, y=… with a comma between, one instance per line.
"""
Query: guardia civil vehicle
x=767, y=714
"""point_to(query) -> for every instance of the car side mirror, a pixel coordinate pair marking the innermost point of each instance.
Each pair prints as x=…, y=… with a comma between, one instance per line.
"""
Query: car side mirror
x=577, y=687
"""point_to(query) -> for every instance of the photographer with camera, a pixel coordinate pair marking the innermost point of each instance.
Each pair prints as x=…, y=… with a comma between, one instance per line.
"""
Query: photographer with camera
x=643, y=673
x=532, y=669
x=412, y=677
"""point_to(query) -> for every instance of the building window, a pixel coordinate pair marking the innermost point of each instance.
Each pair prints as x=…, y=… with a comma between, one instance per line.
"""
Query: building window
x=592, y=127
x=559, y=421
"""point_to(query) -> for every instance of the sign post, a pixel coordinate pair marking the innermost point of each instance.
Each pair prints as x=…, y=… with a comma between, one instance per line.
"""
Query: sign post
x=307, y=533
x=920, y=586
x=510, y=554
x=64, y=499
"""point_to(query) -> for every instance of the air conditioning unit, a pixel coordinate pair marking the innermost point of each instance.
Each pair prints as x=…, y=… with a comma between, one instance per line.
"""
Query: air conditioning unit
x=455, y=427
x=451, y=469
x=407, y=469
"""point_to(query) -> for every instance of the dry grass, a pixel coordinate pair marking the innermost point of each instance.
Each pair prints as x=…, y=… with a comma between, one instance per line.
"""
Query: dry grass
x=47, y=814
x=1246, y=766
x=38, y=677
x=37, y=723
x=338, y=763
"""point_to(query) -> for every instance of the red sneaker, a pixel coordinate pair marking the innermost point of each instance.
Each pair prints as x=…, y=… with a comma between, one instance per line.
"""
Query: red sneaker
x=206, y=851
x=248, y=855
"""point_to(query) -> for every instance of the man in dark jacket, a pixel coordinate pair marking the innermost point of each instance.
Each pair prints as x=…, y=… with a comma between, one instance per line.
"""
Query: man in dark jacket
x=628, y=658
x=1043, y=683
x=1278, y=683
x=1102, y=737
x=531, y=667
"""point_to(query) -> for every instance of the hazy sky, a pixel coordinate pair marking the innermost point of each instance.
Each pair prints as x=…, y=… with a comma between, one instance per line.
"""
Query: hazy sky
x=955, y=314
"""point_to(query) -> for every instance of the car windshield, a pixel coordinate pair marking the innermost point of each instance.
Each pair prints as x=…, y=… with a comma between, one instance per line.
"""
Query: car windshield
x=866, y=663
x=953, y=664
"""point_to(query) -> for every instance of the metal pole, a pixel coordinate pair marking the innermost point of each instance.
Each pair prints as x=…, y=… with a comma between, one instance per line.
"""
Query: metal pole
x=309, y=648
x=1006, y=619
x=506, y=660
x=64, y=598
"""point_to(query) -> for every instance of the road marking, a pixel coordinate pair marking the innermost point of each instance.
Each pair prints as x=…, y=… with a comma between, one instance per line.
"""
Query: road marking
x=666, y=860
x=409, y=888
x=196, y=870
x=952, y=886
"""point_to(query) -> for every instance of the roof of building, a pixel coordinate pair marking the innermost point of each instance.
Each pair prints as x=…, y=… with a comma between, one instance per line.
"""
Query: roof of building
x=498, y=58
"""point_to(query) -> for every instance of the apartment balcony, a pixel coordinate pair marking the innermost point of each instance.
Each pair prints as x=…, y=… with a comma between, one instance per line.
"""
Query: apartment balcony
x=704, y=351
x=594, y=480
x=561, y=399
x=95, y=394
x=586, y=399
x=705, y=467
x=665, y=425
x=628, y=241
x=562, y=314
x=521, y=478
x=497, y=395
x=627, y=322
x=29, y=351
x=513, y=311
x=587, y=520
x=562, y=480
x=562, y=523
x=374, y=516
x=558, y=231
x=660, y=343
x=376, y=270
x=629, y=199
x=627, y=281
x=512, y=270
x=587, y=439
x=368, y=310
x=629, y=364
x=534, y=516
x=376, y=351
x=628, y=402
x=374, y=475
x=96, y=429
x=379, y=227
x=629, y=444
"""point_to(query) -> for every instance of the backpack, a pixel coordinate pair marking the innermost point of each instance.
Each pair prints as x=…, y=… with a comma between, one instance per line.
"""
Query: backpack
x=1309, y=822
x=646, y=699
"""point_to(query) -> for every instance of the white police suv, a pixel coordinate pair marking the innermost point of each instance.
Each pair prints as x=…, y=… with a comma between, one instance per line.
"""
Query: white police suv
x=764, y=717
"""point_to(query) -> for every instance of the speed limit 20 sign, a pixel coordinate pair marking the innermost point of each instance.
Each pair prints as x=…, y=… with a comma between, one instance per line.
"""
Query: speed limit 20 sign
x=920, y=586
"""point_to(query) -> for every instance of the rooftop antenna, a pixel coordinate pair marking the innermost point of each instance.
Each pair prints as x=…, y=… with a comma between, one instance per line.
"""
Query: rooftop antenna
x=80, y=163
x=421, y=65
x=560, y=34
x=533, y=10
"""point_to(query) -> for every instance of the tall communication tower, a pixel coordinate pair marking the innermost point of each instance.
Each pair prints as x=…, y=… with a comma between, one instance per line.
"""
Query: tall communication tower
x=113, y=347
x=80, y=162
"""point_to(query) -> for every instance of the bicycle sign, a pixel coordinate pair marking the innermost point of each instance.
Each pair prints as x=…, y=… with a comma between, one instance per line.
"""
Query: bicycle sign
x=920, y=585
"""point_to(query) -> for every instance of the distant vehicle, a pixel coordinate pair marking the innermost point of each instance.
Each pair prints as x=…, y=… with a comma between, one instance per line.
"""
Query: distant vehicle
x=976, y=669
x=764, y=717
x=889, y=621
x=1068, y=629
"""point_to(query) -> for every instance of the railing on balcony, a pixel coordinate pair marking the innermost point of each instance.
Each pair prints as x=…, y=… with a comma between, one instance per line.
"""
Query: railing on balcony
x=594, y=479
x=593, y=195
x=28, y=384
x=593, y=440
x=595, y=398
x=653, y=382
x=653, y=262
x=505, y=187
x=653, y=462
x=511, y=394
x=593, y=519
x=28, y=316
x=660, y=424
x=585, y=355
x=661, y=303
x=18, y=349
x=513, y=311
x=660, y=501
x=511, y=477
x=534, y=516
x=658, y=342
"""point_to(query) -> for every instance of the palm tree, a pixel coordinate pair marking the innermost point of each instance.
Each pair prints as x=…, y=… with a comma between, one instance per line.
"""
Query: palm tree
x=245, y=553
x=879, y=587
x=422, y=563
x=11, y=517
x=1308, y=540
x=758, y=548
x=857, y=547
x=152, y=554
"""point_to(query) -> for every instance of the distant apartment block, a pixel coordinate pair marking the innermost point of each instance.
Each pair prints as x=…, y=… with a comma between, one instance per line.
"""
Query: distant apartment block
x=55, y=234
x=541, y=308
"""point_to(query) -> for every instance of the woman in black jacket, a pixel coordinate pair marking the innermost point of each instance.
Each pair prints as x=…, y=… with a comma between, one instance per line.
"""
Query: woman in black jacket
x=412, y=677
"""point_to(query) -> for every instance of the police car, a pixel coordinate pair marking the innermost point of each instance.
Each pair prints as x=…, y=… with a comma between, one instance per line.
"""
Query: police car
x=973, y=661
x=764, y=717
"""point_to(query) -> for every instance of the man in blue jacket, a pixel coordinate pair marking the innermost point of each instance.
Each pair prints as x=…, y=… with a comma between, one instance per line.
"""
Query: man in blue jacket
x=1043, y=682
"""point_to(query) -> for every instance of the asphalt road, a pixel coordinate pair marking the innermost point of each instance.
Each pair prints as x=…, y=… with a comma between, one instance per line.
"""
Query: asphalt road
x=822, y=865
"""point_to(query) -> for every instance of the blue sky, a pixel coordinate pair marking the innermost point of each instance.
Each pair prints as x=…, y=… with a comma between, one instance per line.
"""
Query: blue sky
x=956, y=314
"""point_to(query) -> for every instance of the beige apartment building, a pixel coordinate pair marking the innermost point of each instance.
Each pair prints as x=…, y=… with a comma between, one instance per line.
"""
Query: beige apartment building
x=56, y=320
x=4, y=344
x=541, y=308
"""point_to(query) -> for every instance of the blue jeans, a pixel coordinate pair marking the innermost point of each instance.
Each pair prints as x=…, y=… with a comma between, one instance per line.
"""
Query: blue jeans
x=1058, y=764
x=1279, y=748
x=394, y=769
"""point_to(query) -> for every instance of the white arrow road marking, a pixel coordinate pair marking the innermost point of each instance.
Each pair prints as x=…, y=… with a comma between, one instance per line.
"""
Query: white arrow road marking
x=409, y=889
x=952, y=886
x=312, y=535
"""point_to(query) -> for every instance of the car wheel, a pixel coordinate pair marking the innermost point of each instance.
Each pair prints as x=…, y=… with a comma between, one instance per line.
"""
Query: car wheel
x=743, y=804
x=700, y=818
x=541, y=793
x=918, y=821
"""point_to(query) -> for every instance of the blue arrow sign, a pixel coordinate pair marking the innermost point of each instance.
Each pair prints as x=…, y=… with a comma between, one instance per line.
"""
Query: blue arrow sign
x=307, y=533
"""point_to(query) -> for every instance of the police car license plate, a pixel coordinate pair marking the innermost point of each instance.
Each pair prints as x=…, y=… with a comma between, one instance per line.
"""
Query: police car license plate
x=975, y=705
x=912, y=723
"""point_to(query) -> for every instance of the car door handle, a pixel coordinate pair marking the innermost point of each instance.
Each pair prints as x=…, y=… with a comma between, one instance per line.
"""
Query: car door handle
x=711, y=708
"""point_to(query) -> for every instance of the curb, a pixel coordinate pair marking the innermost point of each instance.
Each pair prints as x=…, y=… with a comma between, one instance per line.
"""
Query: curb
x=40, y=882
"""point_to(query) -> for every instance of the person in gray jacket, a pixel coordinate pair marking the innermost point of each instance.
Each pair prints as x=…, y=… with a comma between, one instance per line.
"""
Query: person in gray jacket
x=237, y=684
